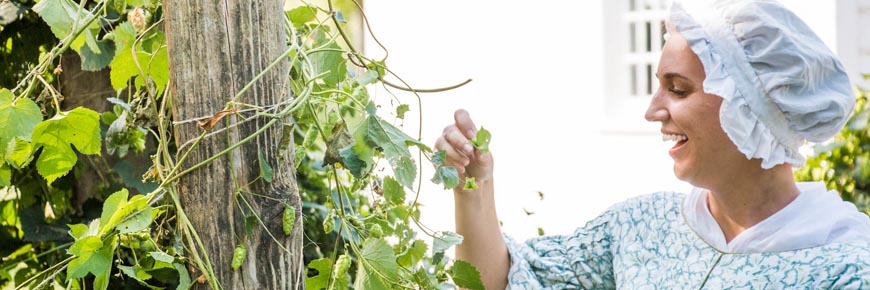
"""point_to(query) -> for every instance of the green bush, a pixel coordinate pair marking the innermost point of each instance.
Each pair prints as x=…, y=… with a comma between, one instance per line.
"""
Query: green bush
x=844, y=162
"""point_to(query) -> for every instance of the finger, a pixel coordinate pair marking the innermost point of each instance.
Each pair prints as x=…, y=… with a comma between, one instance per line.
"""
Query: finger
x=459, y=142
x=453, y=157
x=464, y=123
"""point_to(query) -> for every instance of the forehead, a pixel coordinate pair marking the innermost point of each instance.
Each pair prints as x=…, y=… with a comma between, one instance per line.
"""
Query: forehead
x=678, y=58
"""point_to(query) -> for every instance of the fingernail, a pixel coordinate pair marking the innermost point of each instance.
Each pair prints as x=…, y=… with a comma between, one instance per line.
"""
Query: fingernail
x=468, y=148
x=470, y=133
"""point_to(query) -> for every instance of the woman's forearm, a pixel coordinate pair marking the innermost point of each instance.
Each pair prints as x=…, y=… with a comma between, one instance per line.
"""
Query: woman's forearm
x=483, y=245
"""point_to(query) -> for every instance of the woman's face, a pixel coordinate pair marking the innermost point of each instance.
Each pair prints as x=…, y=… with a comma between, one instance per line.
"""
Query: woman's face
x=703, y=152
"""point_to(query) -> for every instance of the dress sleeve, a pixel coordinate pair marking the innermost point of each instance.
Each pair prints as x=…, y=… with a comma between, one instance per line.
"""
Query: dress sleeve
x=582, y=260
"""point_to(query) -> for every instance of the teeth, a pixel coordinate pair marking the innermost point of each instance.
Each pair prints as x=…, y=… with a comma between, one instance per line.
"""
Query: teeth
x=674, y=137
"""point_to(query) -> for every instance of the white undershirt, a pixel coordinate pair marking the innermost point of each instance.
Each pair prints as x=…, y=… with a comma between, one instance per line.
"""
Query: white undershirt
x=816, y=217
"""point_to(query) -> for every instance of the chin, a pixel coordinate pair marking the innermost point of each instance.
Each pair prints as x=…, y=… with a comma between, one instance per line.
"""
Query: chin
x=682, y=173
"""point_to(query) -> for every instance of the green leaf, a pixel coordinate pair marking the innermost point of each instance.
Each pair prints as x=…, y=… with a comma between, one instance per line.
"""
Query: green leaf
x=446, y=175
x=319, y=281
x=481, y=141
x=380, y=258
x=439, y=158
x=63, y=16
x=368, y=77
x=401, y=110
x=137, y=222
x=78, y=231
x=56, y=136
x=18, y=119
x=115, y=202
x=161, y=256
x=138, y=273
x=413, y=254
x=93, y=60
x=423, y=280
x=265, y=168
x=339, y=273
x=359, y=157
x=5, y=175
x=339, y=139
x=184, y=281
x=394, y=143
x=444, y=240
x=465, y=275
x=301, y=15
x=331, y=63
x=91, y=257
x=19, y=153
x=377, y=268
x=250, y=225
x=127, y=216
x=393, y=191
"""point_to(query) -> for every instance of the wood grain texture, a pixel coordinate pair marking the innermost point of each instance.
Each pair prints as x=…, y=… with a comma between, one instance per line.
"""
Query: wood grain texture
x=215, y=48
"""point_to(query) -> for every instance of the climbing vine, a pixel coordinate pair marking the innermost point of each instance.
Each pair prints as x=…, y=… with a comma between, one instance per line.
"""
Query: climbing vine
x=356, y=169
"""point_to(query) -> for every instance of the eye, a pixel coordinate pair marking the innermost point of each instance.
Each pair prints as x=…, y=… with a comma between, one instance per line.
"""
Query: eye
x=678, y=92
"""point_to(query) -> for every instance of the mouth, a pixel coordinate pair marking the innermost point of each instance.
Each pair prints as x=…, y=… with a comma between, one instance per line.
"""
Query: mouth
x=680, y=140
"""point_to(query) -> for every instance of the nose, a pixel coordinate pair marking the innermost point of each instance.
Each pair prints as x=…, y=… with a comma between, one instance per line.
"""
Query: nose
x=657, y=111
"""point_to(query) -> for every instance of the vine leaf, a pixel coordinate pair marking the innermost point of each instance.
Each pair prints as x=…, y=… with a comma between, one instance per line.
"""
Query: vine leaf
x=265, y=169
x=319, y=281
x=96, y=60
x=393, y=191
x=19, y=153
x=378, y=268
x=331, y=64
x=92, y=256
x=339, y=139
x=62, y=16
x=465, y=275
x=481, y=141
x=56, y=136
x=5, y=175
x=18, y=119
x=423, y=279
x=444, y=240
x=413, y=254
x=301, y=15
x=446, y=175
x=382, y=135
x=127, y=216
x=401, y=110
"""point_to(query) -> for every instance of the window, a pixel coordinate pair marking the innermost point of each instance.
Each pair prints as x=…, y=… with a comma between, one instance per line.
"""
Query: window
x=634, y=39
x=853, y=39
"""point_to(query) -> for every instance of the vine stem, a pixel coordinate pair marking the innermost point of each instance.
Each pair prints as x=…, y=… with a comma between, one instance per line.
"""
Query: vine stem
x=58, y=50
x=62, y=265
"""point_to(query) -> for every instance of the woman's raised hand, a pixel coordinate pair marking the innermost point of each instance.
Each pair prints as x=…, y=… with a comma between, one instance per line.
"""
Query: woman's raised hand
x=468, y=161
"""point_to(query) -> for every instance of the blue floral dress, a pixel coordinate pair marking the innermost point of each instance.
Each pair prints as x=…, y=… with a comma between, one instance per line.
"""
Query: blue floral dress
x=645, y=243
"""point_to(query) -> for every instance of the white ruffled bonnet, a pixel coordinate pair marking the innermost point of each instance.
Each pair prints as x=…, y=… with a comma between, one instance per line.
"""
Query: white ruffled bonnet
x=780, y=84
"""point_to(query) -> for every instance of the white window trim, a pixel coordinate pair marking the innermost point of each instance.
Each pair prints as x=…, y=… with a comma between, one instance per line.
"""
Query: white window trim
x=625, y=103
x=853, y=38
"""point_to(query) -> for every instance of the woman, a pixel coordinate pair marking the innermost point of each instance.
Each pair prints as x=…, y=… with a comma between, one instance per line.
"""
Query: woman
x=747, y=224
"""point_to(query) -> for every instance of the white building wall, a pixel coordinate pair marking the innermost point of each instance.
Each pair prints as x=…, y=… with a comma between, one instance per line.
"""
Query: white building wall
x=539, y=87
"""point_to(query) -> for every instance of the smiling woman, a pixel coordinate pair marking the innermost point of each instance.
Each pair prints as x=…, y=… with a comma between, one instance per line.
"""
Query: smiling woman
x=742, y=84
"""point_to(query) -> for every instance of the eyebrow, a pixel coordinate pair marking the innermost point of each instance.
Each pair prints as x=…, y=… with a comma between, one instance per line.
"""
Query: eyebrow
x=672, y=75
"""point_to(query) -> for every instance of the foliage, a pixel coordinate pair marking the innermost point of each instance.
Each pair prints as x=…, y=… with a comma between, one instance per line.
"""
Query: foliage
x=844, y=162
x=363, y=227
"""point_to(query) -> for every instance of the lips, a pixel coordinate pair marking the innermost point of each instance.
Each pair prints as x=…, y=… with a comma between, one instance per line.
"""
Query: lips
x=679, y=138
